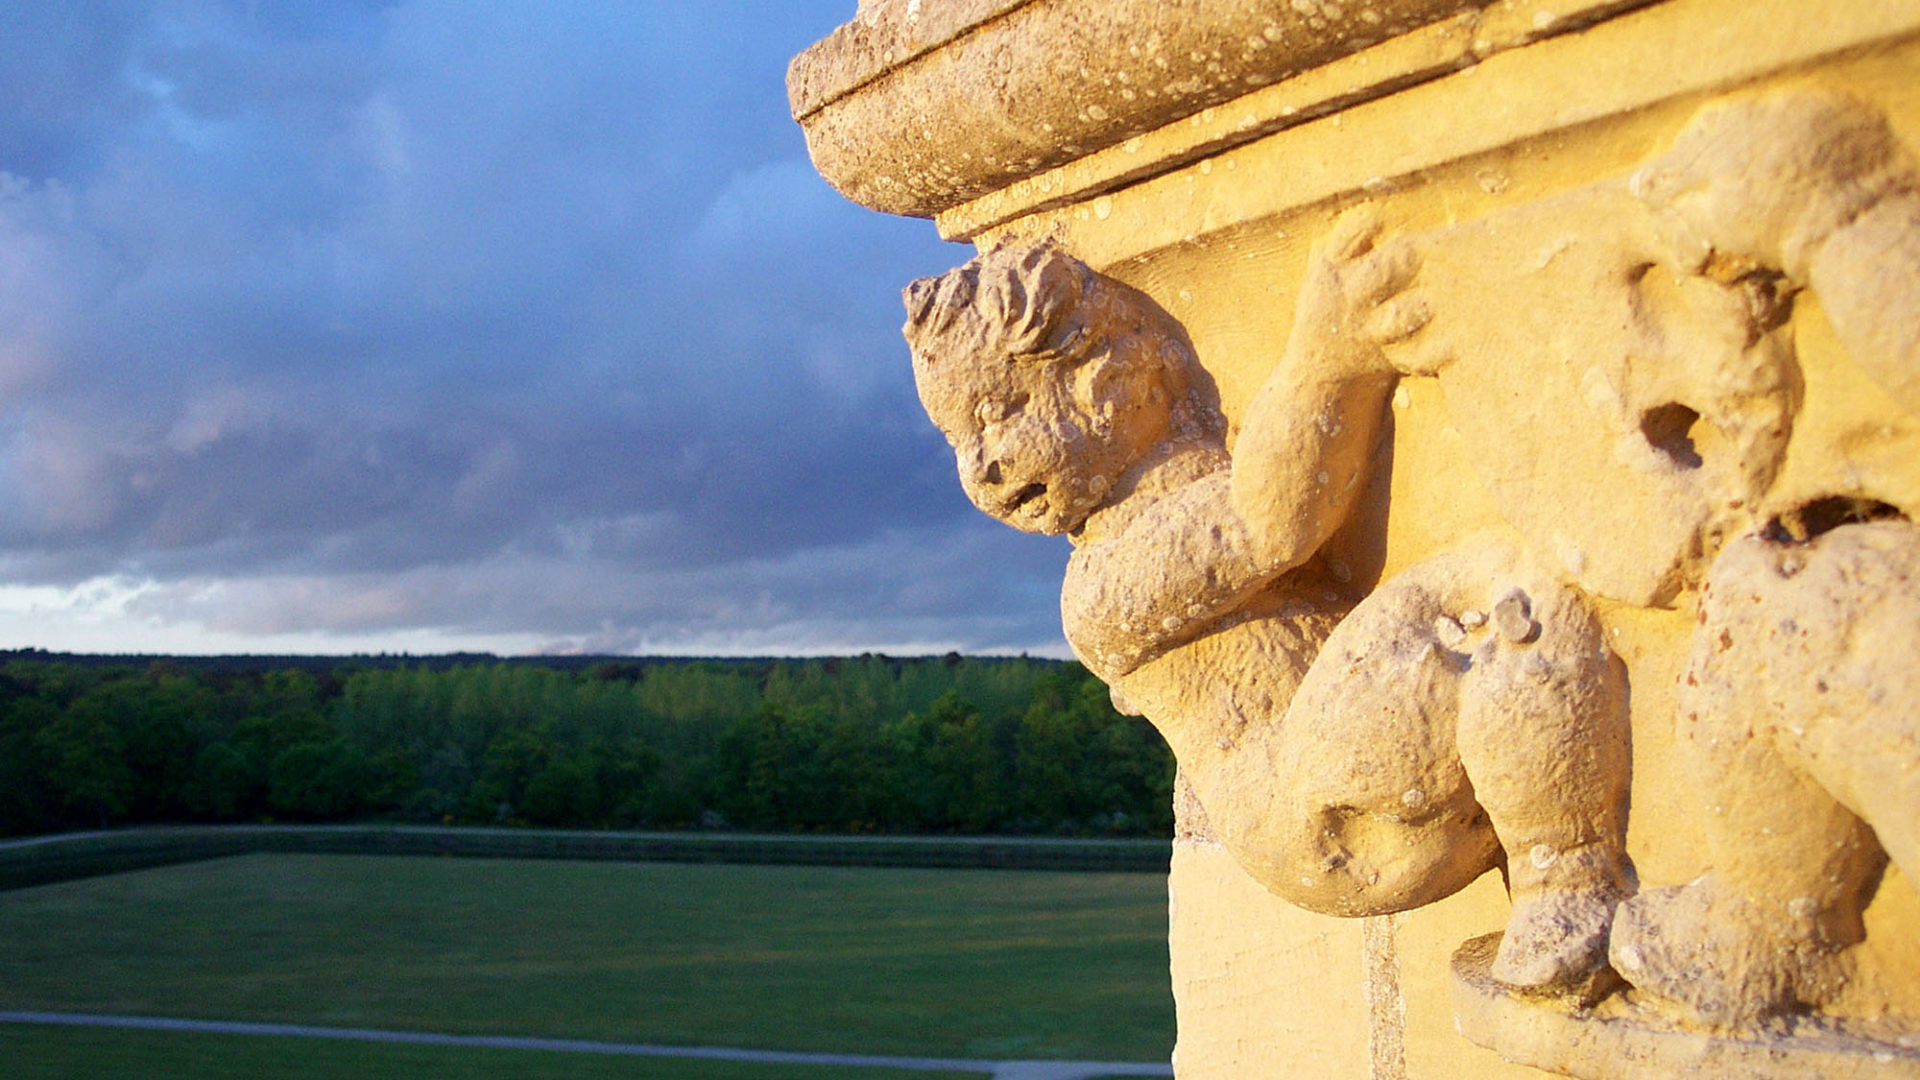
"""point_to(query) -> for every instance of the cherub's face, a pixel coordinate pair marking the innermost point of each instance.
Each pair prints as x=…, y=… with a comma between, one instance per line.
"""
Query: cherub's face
x=1039, y=443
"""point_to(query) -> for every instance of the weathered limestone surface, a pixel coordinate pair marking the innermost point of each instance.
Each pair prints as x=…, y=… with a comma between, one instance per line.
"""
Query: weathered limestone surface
x=1490, y=438
x=920, y=104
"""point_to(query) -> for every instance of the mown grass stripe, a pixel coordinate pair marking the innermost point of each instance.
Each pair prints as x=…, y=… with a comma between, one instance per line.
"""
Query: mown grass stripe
x=1004, y=1070
x=977, y=964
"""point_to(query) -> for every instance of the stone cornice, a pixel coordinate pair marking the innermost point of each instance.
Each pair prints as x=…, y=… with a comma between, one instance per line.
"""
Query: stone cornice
x=1329, y=134
x=919, y=105
x=886, y=34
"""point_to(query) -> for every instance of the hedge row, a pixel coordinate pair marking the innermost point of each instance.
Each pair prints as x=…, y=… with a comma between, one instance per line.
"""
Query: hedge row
x=44, y=860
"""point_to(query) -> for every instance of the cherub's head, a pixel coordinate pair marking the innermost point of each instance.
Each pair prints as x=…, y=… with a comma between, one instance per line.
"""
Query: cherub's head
x=1049, y=380
x=1767, y=177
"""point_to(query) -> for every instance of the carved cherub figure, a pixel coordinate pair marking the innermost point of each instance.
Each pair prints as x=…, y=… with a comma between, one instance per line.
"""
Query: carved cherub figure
x=1811, y=185
x=1798, y=719
x=1800, y=707
x=1641, y=331
x=1355, y=759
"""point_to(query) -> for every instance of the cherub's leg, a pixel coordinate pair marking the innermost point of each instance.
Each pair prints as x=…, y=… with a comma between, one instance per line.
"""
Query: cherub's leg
x=1543, y=734
x=1468, y=706
x=1375, y=813
x=1855, y=724
x=1797, y=718
x=1884, y=781
x=1359, y=802
x=1762, y=931
x=1351, y=800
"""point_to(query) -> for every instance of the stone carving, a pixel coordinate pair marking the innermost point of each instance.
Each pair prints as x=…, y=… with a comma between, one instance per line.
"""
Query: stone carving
x=1811, y=185
x=1662, y=381
x=1357, y=759
x=1656, y=316
x=1362, y=752
x=1795, y=714
x=1797, y=711
x=1797, y=706
x=1643, y=338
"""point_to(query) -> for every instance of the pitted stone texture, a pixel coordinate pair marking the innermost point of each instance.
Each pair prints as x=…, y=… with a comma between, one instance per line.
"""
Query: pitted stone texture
x=1799, y=716
x=884, y=35
x=1016, y=88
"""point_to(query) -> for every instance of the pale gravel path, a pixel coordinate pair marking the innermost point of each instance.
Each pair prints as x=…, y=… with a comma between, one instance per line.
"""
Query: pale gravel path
x=999, y=1070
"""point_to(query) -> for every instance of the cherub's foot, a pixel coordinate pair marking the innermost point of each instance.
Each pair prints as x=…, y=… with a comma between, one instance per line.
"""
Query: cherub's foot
x=1721, y=957
x=1556, y=944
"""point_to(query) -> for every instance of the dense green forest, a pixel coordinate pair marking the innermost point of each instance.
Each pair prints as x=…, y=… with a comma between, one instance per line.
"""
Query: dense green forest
x=865, y=744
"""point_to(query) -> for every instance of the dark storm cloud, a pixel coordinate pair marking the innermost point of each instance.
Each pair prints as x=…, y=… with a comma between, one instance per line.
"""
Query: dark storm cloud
x=506, y=318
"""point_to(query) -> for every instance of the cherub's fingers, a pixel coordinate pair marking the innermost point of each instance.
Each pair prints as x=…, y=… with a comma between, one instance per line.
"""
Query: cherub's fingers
x=1387, y=269
x=1418, y=353
x=1352, y=235
x=1398, y=318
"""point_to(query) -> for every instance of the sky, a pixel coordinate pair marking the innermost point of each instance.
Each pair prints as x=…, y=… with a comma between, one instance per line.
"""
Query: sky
x=439, y=325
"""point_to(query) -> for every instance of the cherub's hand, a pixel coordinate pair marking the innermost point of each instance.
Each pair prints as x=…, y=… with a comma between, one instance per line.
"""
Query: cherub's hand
x=1356, y=297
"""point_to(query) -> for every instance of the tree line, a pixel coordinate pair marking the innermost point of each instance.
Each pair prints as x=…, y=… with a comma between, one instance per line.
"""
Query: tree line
x=862, y=744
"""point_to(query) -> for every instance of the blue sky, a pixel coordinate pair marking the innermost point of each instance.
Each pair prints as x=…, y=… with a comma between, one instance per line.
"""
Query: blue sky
x=333, y=326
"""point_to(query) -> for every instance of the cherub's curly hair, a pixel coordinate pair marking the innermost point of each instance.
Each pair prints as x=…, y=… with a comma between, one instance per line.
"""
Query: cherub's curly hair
x=1017, y=302
x=1020, y=304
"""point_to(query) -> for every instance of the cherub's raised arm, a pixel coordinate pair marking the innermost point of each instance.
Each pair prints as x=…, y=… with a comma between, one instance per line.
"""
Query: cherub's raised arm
x=1301, y=458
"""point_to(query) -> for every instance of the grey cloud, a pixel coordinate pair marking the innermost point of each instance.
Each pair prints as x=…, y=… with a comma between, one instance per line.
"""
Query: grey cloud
x=497, y=317
x=934, y=589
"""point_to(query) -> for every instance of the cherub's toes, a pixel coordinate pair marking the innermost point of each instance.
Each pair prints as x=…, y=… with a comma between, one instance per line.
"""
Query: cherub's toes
x=1663, y=944
x=1719, y=957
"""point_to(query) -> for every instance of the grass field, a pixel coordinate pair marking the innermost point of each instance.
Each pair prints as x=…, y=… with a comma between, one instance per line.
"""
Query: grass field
x=52, y=1053
x=941, y=963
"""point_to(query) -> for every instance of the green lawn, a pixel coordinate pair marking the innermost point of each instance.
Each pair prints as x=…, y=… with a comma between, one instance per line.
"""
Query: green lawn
x=56, y=1053
x=939, y=963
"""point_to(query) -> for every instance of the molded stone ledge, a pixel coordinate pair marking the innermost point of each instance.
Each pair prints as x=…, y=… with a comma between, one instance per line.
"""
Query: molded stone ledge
x=919, y=105
x=1345, y=138
x=884, y=35
x=1619, y=1040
